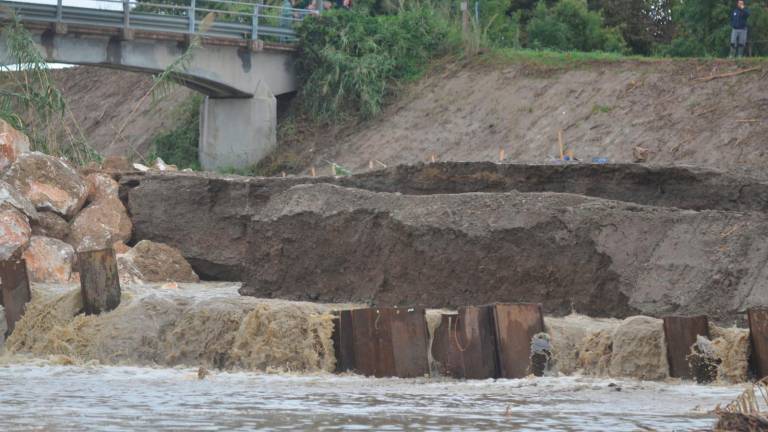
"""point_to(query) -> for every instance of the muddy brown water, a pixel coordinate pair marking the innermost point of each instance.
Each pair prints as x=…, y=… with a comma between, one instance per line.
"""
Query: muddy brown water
x=39, y=396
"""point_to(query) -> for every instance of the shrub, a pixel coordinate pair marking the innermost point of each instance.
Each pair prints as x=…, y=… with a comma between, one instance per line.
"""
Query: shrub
x=179, y=145
x=348, y=61
x=570, y=26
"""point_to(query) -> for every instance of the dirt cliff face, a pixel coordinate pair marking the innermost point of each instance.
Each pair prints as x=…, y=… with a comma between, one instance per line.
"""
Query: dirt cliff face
x=207, y=216
x=595, y=256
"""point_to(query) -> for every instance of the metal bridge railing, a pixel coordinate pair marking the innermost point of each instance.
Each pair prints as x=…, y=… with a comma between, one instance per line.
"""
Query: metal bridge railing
x=233, y=19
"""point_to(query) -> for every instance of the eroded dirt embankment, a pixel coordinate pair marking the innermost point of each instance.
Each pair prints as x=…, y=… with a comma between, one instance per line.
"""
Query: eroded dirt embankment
x=680, y=240
x=207, y=216
x=569, y=252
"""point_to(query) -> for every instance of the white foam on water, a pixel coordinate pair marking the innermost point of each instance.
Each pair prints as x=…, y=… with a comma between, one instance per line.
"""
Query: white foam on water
x=37, y=395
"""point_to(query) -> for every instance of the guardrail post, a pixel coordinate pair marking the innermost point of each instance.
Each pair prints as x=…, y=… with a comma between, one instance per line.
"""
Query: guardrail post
x=255, y=22
x=59, y=27
x=127, y=31
x=192, y=17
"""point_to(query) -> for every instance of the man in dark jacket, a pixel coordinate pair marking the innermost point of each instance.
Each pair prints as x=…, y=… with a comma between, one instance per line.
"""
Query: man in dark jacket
x=739, y=17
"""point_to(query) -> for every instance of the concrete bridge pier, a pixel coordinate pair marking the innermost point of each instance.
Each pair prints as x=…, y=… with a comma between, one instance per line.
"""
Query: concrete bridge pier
x=237, y=132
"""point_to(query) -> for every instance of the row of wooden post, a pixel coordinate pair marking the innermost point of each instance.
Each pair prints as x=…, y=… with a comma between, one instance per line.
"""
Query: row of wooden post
x=490, y=341
x=99, y=285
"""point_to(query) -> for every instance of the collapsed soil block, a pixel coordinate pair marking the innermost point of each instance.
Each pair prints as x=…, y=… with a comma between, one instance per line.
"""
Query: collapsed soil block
x=14, y=283
x=99, y=281
x=464, y=345
x=166, y=207
x=570, y=253
x=758, y=329
x=385, y=342
x=516, y=325
x=680, y=334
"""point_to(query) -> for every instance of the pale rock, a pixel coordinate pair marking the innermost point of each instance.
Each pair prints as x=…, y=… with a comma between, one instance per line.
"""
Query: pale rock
x=13, y=143
x=140, y=167
x=49, y=260
x=48, y=182
x=639, y=349
x=101, y=186
x=50, y=224
x=154, y=262
x=14, y=233
x=11, y=198
x=100, y=225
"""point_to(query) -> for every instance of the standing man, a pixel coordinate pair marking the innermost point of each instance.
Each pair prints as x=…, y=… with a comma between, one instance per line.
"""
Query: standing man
x=739, y=17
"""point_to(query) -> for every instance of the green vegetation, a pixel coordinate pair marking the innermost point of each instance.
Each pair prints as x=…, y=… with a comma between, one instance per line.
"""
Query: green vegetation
x=569, y=26
x=179, y=145
x=349, y=61
x=27, y=91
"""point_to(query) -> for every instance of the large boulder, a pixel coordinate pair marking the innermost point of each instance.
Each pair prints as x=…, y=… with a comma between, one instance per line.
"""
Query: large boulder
x=100, y=225
x=48, y=182
x=50, y=224
x=150, y=261
x=595, y=256
x=14, y=233
x=639, y=349
x=13, y=143
x=101, y=186
x=11, y=198
x=49, y=260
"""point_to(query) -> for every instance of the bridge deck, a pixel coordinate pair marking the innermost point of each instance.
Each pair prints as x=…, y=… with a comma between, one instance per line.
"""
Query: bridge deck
x=271, y=26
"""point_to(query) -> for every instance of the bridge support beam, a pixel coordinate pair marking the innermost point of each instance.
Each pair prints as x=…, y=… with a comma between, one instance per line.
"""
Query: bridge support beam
x=237, y=133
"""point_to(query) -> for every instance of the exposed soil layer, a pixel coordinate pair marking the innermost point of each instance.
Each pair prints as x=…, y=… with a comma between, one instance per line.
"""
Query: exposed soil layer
x=206, y=216
x=674, y=109
x=569, y=252
x=113, y=108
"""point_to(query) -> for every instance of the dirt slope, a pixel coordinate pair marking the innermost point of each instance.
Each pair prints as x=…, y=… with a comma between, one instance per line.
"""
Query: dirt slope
x=469, y=111
x=102, y=99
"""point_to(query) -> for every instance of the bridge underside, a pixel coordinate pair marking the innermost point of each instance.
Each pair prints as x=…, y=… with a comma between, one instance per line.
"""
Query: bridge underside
x=238, y=118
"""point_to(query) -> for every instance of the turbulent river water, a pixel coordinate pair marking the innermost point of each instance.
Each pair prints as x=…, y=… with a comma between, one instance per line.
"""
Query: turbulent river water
x=41, y=396
x=136, y=368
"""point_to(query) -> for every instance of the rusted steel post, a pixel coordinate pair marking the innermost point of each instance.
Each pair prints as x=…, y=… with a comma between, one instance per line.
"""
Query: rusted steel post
x=14, y=283
x=464, y=344
x=99, y=281
x=758, y=332
x=516, y=324
x=343, y=342
x=388, y=342
x=680, y=334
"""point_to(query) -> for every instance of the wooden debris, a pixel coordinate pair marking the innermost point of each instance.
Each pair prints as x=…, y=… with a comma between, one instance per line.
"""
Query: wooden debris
x=727, y=75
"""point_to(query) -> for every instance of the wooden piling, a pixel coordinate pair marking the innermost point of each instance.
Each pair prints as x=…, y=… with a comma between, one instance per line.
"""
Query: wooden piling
x=680, y=334
x=464, y=345
x=516, y=324
x=14, y=284
x=389, y=342
x=99, y=281
x=758, y=331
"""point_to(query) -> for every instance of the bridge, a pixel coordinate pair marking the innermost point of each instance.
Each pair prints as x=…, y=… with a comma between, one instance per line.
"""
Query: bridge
x=244, y=60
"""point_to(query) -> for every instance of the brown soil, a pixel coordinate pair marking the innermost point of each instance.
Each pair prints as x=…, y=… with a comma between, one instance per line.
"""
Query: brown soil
x=102, y=102
x=569, y=252
x=469, y=111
